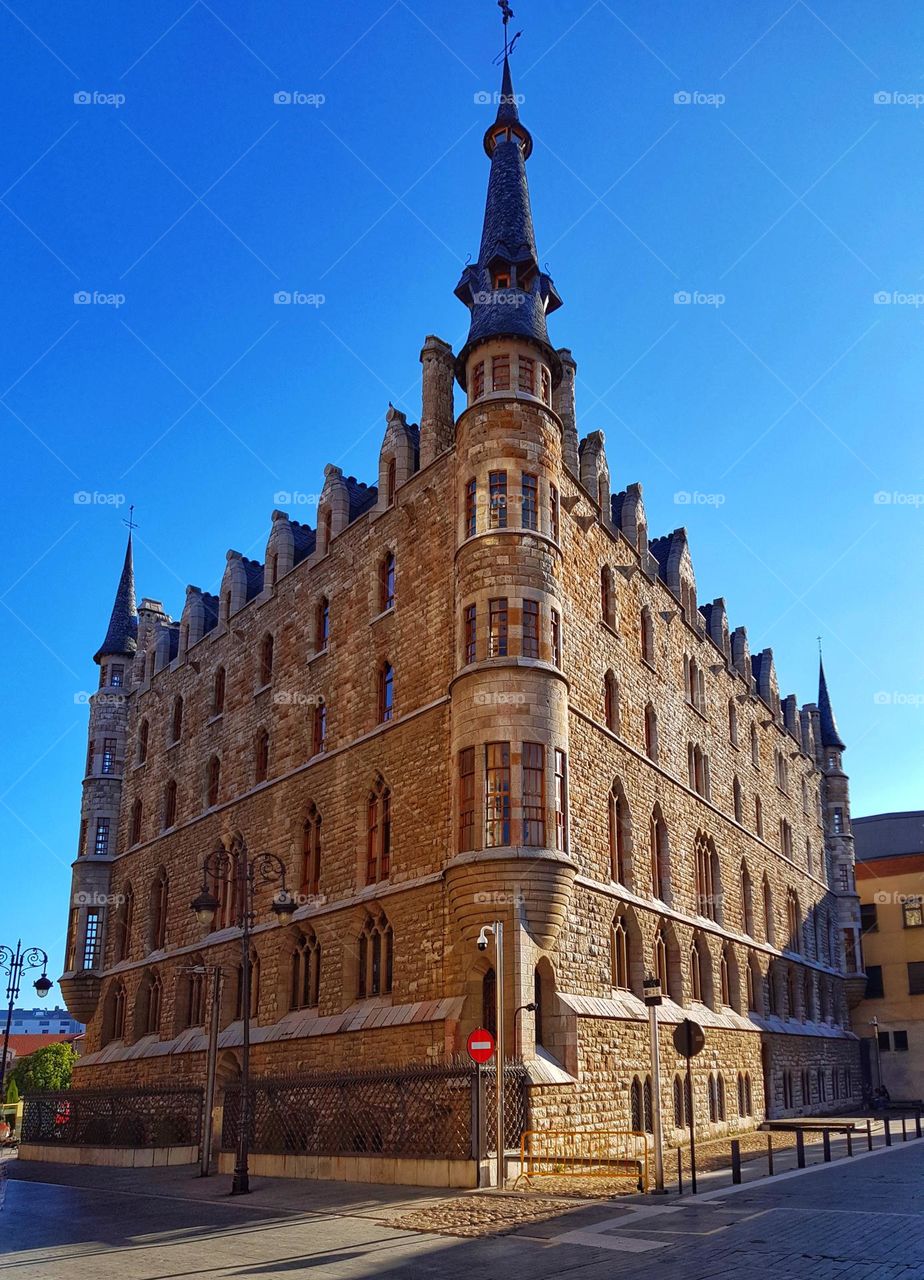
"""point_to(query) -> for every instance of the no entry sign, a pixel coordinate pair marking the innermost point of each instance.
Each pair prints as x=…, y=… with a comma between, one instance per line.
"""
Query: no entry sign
x=480, y=1045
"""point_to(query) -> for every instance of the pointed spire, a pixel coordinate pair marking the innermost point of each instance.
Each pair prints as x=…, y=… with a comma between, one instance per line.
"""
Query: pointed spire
x=505, y=290
x=826, y=722
x=123, y=623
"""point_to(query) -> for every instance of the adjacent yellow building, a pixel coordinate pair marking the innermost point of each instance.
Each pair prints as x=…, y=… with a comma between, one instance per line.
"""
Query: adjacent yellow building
x=890, y=881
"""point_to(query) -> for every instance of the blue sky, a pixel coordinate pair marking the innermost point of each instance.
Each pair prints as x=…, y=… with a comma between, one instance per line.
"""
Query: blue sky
x=734, y=153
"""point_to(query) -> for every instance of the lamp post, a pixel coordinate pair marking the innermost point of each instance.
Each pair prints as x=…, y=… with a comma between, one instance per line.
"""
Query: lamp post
x=652, y=988
x=242, y=874
x=15, y=963
x=874, y=1023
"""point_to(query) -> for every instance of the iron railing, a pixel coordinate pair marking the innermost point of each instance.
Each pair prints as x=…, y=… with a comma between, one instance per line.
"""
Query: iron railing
x=425, y=1111
x=154, y=1117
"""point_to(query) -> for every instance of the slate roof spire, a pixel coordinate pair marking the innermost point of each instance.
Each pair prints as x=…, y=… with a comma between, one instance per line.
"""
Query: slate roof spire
x=827, y=724
x=121, y=636
x=506, y=292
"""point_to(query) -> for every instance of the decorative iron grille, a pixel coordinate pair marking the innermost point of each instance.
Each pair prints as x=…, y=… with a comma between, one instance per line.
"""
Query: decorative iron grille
x=426, y=1111
x=114, y=1117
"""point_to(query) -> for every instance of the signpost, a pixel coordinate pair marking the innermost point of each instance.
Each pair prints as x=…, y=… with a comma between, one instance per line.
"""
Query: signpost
x=689, y=1040
x=480, y=1046
x=652, y=988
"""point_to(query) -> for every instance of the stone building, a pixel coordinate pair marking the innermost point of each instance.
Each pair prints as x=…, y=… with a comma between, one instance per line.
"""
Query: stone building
x=476, y=690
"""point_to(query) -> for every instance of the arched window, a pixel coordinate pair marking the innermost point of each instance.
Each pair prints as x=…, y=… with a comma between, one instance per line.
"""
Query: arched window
x=661, y=960
x=607, y=597
x=212, y=782
x=713, y=1093
x=785, y=839
x=261, y=752
x=696, y=971
x=321, y=624
x=755, y=746
x=646, y=636
x=773, y=995
x=306, y=972
x=387, y=581
x=254, y=987
x=738, y=800
x=647, y=1106
x=160, y=892
x=636, y=1114
x=489, y=1002
x=822, y=1085
x=725, y=991
x=620, y=953
x=135, y=826
x=176, y=721
x=808, y=997
x=620, y=834
x=759, y=816
x=319, y=727
x=809, y=860
x=144, y=730
x=267, y=645
x=769, y=927
x=742, y=1100
x=378, y=833
x=118, y=1012
x=732, y=722
x=660, y=870
x=790, y=1011
x=150, y=1005
x=376, y=948
x=386, y=692
x=170, y=804
x=679, y=1117
x=651, y=733
x=611, y=701
x=747, y=901
x=793, y=921
x=125, y=923
x=311, y=853
x=720, y=1095
x=218, y=692
x=707, y=877
x=752, y=980
x=190, y=998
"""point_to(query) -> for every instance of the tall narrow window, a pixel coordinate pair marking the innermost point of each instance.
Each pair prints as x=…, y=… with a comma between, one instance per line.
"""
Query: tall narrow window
x=218, y=692
x=554, y=513
x=471, y=508
x=497, y=628
x=747, y=901
x=266, y=660
x=706, y=873
x=306, y=972
x=556, y=637
x=660, y=876
x=527, y=375
x=261, y=756
x=732, y=722
x=724, y=979
x=646, y=636
x=620, y=834
x=322, y=625
x=101, y=840
x=500, y=370
x=386, y=692
x=529, y=501
x=769, y=930
x=471, y=633
x=107, y=764
x=311, y=853
x=620, y=953
x=135, y=828
x=497, y=794
x=91, y=941
x=212, y=782
x=143, y=734
x=651, y=733
x=170, y=804
x=530, y=628
x=478, y=380
x=467, y=800
x=387, y=582
x=159, y=899
x=546, y=382
x=533, y=794
x=176, y=723
x=660, y=957
x=376, y=949
x=611, y=701
x=737, y=800
x=378, y=833
x=755, y=747
x=497, y=486
x=607, y=603
x=319, y=728
x=561, y=801
x=126, y=919
x=759, y=816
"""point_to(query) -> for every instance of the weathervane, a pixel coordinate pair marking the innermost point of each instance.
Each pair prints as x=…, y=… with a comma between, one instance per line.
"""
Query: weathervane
x=509, y=44
x=131, y=519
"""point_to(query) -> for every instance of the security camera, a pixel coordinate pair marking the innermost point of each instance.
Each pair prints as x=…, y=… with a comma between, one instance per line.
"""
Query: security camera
x=483, y=940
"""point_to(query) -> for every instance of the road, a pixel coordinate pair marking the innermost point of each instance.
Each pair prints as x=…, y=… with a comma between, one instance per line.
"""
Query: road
x=859, y=1219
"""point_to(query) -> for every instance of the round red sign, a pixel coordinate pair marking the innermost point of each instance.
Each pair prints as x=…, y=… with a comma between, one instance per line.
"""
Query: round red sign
x=480, y=1045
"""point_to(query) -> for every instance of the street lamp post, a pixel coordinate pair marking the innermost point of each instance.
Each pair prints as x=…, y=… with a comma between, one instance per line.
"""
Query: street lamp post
x=652, y=988
x=874, y=1023
x=15, y=963
x=242, y=875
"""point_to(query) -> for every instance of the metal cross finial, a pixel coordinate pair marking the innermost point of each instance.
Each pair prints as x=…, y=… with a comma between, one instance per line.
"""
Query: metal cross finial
x=131, y=519
x=505, y=10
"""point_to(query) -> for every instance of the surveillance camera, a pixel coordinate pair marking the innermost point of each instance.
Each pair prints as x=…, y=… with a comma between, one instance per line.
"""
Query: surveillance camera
x=483, y=940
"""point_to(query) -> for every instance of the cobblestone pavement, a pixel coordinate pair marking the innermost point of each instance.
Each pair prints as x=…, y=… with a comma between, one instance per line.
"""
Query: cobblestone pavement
x=861, y=1219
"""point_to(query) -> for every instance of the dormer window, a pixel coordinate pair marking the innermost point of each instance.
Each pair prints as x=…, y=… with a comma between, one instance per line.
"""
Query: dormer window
x=502, y=280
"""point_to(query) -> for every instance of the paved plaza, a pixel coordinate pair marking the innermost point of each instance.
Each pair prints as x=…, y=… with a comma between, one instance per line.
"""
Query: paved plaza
x=859, y=1219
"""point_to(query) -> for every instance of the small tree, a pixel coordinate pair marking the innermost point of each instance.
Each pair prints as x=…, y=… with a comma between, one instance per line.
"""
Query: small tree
x=12, y=1092
x=47, y=1069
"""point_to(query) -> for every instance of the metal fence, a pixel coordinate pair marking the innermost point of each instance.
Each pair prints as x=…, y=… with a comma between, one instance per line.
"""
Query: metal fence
x=427, y=1111
x=114, y=1117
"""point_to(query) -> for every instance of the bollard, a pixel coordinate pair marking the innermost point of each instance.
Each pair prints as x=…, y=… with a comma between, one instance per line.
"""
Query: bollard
x=904, y=1131
x=888, y=1130
x=850, y=1142
x=869, y=1134
x=679, y=1171
x=736, y=1160
x=769, y=1155
x=826, y=1141
x=800, y=1149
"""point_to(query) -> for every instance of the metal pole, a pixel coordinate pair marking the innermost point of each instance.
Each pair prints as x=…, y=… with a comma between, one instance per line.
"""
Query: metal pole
x=478, y=1133
x=240, y=1184
x=875, y=1025
x=214, y=1020
x=12, y=991
x=499, y=1052
x=656, y=1098
x=826, y=1143
x=689, y=1102
x=736, y=1160
x=800, y=1149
